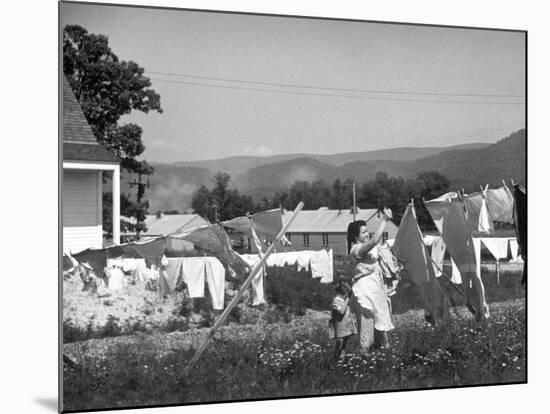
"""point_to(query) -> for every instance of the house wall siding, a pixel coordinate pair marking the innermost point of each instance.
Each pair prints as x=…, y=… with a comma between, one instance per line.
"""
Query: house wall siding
x=82, y=227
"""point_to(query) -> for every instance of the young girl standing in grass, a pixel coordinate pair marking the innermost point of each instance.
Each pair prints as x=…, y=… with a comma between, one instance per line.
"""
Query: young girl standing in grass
x=342, y=323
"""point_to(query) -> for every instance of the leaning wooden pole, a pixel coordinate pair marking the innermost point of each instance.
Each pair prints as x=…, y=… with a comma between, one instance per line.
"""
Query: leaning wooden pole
x=240, y=293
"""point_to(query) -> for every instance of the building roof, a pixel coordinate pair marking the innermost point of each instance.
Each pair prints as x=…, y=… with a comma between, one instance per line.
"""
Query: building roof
x=79, y=142
x=332, y=221
x=170, y=223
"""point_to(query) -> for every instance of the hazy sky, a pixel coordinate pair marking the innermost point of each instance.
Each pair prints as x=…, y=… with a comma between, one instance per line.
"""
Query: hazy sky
x=383, y=80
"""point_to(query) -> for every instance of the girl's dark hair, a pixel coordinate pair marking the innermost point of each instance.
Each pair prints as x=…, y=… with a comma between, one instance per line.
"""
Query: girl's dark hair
x=343, y=287
x=353, y=232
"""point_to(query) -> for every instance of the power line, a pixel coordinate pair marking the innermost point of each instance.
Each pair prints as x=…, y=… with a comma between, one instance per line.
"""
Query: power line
x=294, y=85
x=333, y=95
x=470, y=136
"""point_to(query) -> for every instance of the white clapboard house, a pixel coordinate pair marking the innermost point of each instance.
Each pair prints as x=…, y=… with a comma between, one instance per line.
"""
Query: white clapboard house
x=81, y=188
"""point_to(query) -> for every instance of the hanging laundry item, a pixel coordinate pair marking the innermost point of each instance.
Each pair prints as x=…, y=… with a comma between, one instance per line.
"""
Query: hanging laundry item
x=498, y=246
x=500, y=203
x=173, y=272
x=122, y=251
x=478, y=218
x=389, y=267
x=520, y=215
x=96, y=259
x=304, y=259
x=151, y=250
x=410, y=250
x=258, y=281
x=267, y=224
x=449, y=214
x=115, y=279
x=387, y=261
x=193, y=271
x=514, y=250
x=485, y=224
x=329, y=278
x=429, y=240
x=215, y=277
x=320, y=266
x=213, y=240
x=438, y=253
x=455, y=274
x=67, y=263
x=142, y=273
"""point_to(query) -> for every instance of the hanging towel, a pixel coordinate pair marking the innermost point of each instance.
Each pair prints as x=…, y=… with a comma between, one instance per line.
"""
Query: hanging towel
x=173, y=272
x=320, y=265
x=498, y=246
x=303, y=260
x=438, y=253
x=193, y=269
x=328, y=276
x=500, y=204
x=514, y=250
x=215, y=277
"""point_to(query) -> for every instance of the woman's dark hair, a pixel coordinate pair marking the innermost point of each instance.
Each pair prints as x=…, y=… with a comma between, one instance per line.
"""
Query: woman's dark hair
x=353, y=232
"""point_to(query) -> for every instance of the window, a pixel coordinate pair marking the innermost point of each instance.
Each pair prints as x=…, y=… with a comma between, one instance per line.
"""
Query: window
x=384, y=237
x=306, y=239
x=325, y=239
x=371, y=234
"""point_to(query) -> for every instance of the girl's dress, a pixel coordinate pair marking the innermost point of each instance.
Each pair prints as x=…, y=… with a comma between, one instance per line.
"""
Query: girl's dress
x=369, y=291
x=342, y=323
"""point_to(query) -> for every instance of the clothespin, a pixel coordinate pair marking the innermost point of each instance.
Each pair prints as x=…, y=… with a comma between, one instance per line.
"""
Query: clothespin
x=413, y=211
x=512, y=180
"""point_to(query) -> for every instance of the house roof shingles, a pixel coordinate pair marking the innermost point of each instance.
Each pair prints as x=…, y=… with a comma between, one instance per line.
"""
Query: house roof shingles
x=79, y=142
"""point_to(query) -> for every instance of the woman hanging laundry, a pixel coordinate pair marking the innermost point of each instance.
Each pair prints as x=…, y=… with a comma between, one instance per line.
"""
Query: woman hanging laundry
x=370, y=302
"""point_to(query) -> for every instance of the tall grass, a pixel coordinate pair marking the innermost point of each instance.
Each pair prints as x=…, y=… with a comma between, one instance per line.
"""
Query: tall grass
x=279, y=360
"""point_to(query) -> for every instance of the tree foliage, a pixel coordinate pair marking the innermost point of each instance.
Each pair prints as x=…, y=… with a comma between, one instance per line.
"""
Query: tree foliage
x=221, y=202
x=382, y=191
x=108, y=88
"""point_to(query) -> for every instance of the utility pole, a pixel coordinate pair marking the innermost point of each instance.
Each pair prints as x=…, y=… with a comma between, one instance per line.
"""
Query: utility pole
x=140, y=193
x=354, y=202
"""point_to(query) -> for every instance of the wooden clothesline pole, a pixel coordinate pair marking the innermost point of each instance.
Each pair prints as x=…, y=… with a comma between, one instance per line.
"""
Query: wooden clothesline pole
x=240, y=293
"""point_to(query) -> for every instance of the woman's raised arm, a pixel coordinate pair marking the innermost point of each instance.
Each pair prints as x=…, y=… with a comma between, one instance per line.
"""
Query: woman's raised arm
x=365, y=247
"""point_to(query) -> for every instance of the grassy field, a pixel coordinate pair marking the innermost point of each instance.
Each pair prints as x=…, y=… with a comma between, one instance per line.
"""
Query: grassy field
x=132, y=346
x=294, y=359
